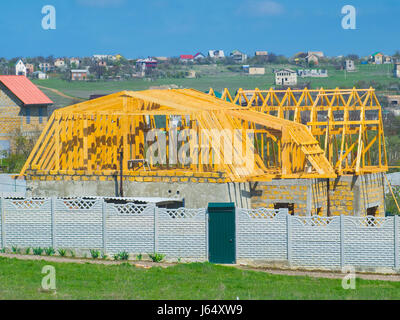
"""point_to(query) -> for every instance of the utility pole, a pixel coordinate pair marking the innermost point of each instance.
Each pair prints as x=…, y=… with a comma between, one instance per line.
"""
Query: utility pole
x=328, y=200
x=121, y=161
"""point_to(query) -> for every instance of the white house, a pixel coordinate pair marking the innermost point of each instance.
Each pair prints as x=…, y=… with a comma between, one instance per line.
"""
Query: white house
x=216, y=54
x=40, y=75
x=349, y=65
x=285, y=77
x=20, y=68
x=59, y=63
x=75, y=61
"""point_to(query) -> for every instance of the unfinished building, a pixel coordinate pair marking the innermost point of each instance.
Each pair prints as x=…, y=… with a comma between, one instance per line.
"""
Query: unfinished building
x=314, y=152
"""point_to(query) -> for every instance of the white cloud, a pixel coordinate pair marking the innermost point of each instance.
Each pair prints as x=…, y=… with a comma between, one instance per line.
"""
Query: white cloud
x=101, y=3
x=261, y=8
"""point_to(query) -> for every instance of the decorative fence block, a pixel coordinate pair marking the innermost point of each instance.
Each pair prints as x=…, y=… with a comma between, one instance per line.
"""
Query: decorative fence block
x=130, y=227
x=181, y=233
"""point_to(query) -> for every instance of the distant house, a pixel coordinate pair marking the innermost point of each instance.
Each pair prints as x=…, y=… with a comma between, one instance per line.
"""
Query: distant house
x=396, y=70
x=79, y=74
x=312, y=73
x=216, y=54
x=102, y=63
x=394, y=104
x=255, y=70
x=30, y=68
x=285, y=77
x=22, y=106
x=349, y=65
x=387, y=60
x=45, y=67
x=75, y=62
x=20, y=68
x=144, y=64
x=186, y=58
x=312, y=59
x=199, y=55
x=59, y=63
x=238, y=57
x=39, y=75
x=318, y=54
x=377, y=58
x=261, y=53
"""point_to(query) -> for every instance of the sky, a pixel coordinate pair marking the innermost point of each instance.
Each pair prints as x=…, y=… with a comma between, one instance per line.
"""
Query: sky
x=170, y=28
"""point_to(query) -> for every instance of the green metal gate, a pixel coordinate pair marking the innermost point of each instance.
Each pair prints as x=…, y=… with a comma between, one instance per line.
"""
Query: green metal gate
x=221, y=233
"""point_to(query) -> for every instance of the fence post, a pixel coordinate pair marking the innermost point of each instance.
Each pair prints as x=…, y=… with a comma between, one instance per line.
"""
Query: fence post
x=289, y=236
x=155, y=228
x=53, y=220
x=341, y=220
x=396, y=241
x=104, y=224
x=206, y=227
x=3, y=227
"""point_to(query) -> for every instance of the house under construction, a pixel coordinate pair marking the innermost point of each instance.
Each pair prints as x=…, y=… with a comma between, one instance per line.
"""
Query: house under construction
x=316, y=152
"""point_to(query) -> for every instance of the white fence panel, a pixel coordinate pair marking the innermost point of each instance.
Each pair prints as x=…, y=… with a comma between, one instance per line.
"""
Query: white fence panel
x=369, y=241
x=78, y=223
x=130, y=227
x=181, y=233
x=315, y=241
x=27, y=222
x=261, y=234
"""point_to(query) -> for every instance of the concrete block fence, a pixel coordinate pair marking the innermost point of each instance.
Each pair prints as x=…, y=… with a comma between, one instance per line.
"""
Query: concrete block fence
x=262, y=235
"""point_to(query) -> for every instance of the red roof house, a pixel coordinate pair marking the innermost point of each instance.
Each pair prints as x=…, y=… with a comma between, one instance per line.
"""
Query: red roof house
x=186, y=57
x=22, y=88
x=23, y=106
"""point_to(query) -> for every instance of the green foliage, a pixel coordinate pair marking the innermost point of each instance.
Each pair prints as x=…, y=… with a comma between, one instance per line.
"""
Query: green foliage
x=15, y=249
x=28, y=250
x=139, y=257
x=37, y=251
x=62, y=252
x=94, y=253
x=123, y=255
x=104, y=256
x=116, y=256
x=49, y=251
x=390, y=204
x=72, y=253
x=3, y=250
x=156, y=257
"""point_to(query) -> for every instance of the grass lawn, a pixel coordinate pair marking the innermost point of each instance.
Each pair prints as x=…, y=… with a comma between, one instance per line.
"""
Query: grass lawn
x=21, y=279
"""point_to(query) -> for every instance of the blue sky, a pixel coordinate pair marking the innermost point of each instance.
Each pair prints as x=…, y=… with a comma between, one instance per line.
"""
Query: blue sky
x=169, y=28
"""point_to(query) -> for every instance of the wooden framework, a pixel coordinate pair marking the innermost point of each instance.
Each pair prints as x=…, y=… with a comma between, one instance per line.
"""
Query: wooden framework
x=346, y=122
x=87, y=139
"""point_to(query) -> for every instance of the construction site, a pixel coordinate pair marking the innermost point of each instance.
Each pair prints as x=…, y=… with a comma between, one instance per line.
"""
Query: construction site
x=314, y=152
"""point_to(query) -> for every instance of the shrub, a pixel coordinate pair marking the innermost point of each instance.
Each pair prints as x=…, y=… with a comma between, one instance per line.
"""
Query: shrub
x=3, y=250
x=104, y=256
x=37, y=251
x=72, y=252
x=15, y=249
x=94, y=253
x=62, y=252
x=28, y=250
x=116, y=256
x=156, y=257
x=139, y=257
x=49, y=251
x=124, y=255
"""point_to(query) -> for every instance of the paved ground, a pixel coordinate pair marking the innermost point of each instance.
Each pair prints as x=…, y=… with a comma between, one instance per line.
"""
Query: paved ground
x=149, y=264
